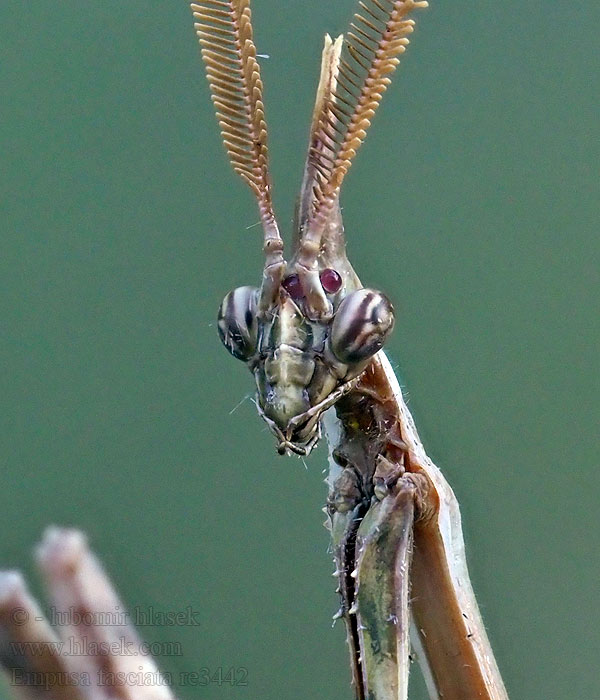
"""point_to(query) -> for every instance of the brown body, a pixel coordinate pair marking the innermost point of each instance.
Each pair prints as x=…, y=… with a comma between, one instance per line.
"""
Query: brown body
x=447, y=632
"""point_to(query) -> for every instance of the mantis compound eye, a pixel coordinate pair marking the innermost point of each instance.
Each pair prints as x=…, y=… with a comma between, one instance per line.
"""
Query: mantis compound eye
x=361, y=324
x=237, y=322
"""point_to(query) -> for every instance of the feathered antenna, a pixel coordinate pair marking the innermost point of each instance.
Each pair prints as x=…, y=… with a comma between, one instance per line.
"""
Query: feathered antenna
x=224, y=29
x=376, y=38
x=378, y=35
x=319, y=149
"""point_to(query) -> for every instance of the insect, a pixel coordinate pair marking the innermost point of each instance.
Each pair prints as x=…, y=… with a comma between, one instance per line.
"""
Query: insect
x=312, y=337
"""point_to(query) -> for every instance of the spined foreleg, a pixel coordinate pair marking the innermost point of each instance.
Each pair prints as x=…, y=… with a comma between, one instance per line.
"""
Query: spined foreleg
x=373, y=547
x=383, y=560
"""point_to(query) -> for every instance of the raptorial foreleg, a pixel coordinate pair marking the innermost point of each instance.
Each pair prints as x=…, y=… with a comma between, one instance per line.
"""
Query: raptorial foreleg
x=383, y=562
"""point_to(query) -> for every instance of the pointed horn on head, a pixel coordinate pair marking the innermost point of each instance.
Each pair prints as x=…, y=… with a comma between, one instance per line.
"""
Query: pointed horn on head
x=378, y=35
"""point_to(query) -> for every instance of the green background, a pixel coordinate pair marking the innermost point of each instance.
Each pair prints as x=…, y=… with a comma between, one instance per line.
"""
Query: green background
x=474, y=205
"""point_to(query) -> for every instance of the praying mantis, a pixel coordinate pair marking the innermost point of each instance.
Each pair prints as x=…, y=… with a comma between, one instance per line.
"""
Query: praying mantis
x=312, y=337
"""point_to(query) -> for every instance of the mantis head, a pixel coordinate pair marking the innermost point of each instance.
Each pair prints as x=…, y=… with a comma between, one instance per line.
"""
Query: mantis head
x=310, y=329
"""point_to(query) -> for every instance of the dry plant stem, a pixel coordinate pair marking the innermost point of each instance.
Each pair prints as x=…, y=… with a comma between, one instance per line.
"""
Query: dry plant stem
x=75, y=581
x=21, y=623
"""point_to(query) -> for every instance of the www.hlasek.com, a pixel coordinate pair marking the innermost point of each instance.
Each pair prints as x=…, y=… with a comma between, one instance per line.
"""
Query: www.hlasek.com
x=86, y=646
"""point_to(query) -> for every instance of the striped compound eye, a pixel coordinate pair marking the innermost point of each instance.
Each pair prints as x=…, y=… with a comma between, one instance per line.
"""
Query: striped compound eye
x=361, y=325
x=237, y=322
